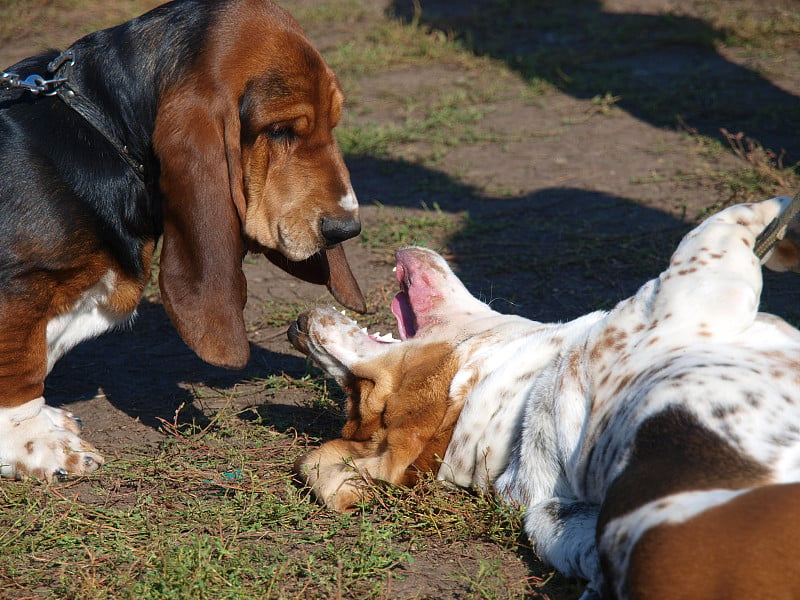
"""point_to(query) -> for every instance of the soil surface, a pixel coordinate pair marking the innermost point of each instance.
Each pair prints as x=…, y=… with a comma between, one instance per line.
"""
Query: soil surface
x=568, y=206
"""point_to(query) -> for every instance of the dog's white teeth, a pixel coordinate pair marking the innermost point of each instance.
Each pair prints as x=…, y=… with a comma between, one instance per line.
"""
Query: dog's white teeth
x=394, y=269
x=343, y=312
x=386, y=338
x=364, y=331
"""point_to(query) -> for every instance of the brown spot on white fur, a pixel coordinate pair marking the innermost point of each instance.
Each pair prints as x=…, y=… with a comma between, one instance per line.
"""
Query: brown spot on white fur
x=672, y=453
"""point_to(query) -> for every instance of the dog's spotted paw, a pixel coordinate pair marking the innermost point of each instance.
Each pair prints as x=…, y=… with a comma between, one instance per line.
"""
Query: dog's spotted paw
x=43, y=442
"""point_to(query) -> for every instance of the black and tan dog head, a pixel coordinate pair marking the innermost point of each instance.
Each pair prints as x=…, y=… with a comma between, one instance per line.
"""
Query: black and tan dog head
x=249, y=162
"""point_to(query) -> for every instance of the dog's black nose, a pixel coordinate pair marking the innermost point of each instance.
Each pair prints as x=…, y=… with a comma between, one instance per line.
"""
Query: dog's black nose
x=298, y=333
x=339, y=230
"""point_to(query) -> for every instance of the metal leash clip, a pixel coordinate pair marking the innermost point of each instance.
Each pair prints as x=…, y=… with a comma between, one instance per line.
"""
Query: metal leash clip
x=36, y=84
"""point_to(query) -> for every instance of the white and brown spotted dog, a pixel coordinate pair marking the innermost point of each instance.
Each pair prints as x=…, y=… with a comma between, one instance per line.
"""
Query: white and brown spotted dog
x=655, y=446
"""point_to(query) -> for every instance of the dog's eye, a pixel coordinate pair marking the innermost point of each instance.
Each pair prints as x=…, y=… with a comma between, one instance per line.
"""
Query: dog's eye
x=280, y=132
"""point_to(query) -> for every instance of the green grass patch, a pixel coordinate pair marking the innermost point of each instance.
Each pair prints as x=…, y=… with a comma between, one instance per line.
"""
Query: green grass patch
x=213, y=514
x=396, y=227
x=279, y=314
x=389, y=43
x=447, y=121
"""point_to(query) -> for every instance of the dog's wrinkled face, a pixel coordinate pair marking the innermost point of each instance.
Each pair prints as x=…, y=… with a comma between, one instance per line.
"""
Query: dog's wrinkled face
x=297, y=188
x=248, y=161
x=297, y=193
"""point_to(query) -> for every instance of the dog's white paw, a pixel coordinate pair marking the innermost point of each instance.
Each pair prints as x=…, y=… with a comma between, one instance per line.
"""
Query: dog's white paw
x=338, y=485
x=43, y=442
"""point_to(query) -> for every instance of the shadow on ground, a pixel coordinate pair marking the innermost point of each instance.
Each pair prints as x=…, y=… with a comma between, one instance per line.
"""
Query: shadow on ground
x=664, y=68
x=140, y=369
x=550, y=256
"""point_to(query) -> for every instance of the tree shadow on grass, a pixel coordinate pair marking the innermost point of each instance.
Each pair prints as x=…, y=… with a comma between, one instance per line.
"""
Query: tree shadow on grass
x=661, y=68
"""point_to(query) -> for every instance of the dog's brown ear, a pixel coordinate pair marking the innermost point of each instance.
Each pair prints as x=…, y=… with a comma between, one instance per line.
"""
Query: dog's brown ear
x=202, y=284
x=330, y=268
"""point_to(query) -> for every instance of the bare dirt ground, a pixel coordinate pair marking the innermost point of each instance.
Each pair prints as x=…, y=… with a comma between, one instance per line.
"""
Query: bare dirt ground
x=564, y=180
x=564, y=203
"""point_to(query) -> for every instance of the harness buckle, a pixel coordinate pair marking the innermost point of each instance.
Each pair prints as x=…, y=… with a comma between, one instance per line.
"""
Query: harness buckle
x=58, y=61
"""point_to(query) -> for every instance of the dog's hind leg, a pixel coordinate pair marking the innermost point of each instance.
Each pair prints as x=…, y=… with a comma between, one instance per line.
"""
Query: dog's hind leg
x=713, y=285
x=563, y=531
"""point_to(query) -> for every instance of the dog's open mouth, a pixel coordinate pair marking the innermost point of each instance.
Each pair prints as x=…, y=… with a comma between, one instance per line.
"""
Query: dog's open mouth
x=402, y=308
x=409, y=306
x=420, y=288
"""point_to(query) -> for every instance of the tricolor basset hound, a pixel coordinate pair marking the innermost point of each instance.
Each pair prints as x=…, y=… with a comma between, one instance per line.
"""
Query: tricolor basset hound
x=655, y=447
x=204, y=123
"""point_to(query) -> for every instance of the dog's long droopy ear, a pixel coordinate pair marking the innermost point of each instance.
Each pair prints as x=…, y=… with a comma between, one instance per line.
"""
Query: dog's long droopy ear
x=328, y=267
x=202, y=284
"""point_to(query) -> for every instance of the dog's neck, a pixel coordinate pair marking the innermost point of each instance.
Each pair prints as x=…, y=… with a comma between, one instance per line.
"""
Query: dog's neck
x=502, y=349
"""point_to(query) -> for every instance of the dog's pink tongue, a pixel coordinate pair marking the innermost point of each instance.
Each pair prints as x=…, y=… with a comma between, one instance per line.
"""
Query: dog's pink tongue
x=406, y=322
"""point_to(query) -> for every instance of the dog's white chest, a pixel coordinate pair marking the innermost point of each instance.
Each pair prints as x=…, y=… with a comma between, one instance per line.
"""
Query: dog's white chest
x=89, y=317
x=493, y=382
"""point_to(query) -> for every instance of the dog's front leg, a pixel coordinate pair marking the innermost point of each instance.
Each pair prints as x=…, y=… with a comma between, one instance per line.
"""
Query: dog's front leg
x=37, y=440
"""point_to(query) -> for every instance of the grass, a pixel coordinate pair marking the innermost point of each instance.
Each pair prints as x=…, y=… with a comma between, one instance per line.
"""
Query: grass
x=277, y=314
x=397, y=228
x=57, y=23
x=211, y=512
x=387, y=43
x=426, y=131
